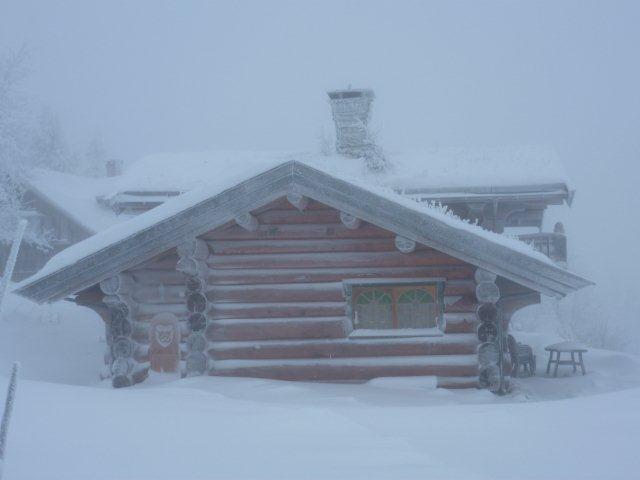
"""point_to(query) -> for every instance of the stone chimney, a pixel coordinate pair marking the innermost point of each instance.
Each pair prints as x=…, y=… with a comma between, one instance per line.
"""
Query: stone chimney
x=351, y=110
x=113, y=167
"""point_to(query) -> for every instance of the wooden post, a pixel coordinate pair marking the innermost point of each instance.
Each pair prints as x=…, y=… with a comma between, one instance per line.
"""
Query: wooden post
x=121, y=348
x=193, y=252
x=555, y=370
x=476, y=212
x=11, y=261
x=490, y=351
x=8, y=408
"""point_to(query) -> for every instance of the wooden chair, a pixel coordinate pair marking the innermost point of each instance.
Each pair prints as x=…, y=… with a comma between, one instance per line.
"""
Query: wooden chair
x=521, y=356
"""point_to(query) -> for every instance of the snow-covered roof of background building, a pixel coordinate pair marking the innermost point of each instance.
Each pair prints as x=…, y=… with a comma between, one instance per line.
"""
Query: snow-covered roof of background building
x=436, y=172
x=75, y=196
x=432, y=169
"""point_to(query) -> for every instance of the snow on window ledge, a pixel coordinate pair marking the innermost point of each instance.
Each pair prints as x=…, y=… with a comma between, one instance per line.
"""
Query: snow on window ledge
x=396, y=333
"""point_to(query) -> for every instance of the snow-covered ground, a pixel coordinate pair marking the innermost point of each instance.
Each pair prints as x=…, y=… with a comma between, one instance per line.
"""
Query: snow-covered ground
x=68, y=425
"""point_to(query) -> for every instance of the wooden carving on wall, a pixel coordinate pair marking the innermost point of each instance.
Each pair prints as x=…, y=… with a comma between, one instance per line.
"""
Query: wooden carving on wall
x=164, y=341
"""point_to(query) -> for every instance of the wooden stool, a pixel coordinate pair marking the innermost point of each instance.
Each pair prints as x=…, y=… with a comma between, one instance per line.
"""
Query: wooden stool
x=566, y=347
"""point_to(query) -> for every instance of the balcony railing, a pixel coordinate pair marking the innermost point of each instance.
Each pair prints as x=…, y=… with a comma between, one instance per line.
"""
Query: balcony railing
x=553, y=245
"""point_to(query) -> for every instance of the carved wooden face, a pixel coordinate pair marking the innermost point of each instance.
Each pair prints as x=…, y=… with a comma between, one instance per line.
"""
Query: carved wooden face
x=164, y=334
x=164, y=351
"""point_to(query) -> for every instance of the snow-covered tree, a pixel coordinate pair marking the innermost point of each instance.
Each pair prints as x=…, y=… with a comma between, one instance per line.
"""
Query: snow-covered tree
x=49, y=148
x=14, y=137
x=95, y=158
x=16, y=145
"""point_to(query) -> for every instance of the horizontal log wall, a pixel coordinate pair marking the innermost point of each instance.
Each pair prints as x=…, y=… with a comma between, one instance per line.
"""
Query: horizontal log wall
x=275, y=305
x=142, y=307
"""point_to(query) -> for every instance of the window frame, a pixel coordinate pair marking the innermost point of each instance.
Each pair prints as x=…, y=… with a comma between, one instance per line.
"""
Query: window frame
x=395, y=287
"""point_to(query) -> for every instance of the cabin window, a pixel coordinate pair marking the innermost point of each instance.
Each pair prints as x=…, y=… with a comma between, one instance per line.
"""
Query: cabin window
x=374, y=308
x=402, y=305
x=416, y=308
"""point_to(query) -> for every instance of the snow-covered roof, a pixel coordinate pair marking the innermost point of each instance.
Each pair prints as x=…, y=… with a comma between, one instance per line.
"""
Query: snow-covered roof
x=435, y=173
x=185, y=171
x=75, y=196
x=240, y=189
x=435, y=168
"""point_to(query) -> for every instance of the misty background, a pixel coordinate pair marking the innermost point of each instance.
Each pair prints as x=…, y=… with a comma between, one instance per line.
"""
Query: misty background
x=166, y=76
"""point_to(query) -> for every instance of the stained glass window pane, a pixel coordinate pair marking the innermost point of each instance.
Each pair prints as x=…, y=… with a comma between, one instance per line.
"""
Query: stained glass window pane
x=374, y=309
x=416, y=308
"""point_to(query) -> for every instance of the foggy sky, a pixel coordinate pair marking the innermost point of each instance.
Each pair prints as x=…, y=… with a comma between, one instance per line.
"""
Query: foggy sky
x=152, y=76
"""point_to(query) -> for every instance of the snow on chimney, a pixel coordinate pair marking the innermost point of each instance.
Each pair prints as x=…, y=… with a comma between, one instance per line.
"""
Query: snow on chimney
x=114, y=167
x=351, y=110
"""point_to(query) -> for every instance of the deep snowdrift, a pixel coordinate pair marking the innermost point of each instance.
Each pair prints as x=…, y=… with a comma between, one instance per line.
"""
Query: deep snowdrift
x=78, y=428
x=60, y=343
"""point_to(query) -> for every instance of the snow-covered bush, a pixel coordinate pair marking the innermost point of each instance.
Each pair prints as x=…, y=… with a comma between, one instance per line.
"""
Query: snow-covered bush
x=585, y=318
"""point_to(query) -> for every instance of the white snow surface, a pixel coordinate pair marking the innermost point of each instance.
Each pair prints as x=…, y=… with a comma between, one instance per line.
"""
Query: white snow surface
x=182, y=172
x=186, y=171
x=76, y=195
x=431, y=168
x=68, y=425
x=350, y=170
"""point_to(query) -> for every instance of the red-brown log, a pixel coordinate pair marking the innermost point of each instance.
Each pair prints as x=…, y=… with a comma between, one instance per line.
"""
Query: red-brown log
x=323, y=292
x=244, y=247
x=285, y=232
x=167, y=263
x=256, y=276
x=333, y=260
x=157, y=277
x=300, y=292
x=276, y=310
x=284, y=217
x=277, y=329
x=460, y=323
x=464, y=305
x=343, y=348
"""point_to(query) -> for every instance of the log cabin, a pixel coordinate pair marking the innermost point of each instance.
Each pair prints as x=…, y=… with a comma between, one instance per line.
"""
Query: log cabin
x=317, y=269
